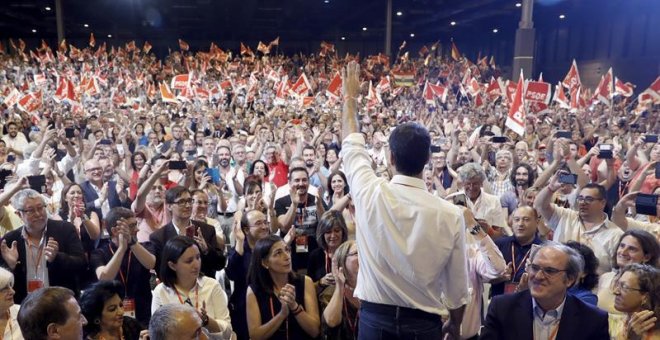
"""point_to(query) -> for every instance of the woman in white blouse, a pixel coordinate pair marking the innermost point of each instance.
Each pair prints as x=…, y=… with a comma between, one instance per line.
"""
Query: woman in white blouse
x=182, y=282
x=8, y=310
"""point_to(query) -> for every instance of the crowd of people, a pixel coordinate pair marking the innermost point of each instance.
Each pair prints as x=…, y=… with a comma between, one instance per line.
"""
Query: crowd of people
x=247, y=208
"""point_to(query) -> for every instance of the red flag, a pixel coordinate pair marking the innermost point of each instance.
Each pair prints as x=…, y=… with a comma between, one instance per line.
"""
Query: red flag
x=455, y=54
x=621, y=88
x=261, y=47
x=92, y=41
x=473, y=87
x=373, y=98
x=538, y=92
x=654, y=90
x=31, y=102
x=40, y=79
x=302, y=86
x=572, y=79
x=334, y=88
x=494, y=89
x=605, y=89
x=151, y=91
x=510, y=91
x=70, y=95
x=181, y=81
x=275, y=42
x=516, y=118
x=244, y=49
x=147, y=47
x=282, y=90
x=327, y=46
x=560, y=97
x=384, y=84
x=12, y=98
x=62, y=47
x=575, y=98
x=60, y=92
x=431, y=92
x=423, y=51
x=183, y=45
x=479, y=101
x=166, y=94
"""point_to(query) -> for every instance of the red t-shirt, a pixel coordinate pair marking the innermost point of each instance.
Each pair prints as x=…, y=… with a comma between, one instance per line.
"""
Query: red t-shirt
x=279, y=173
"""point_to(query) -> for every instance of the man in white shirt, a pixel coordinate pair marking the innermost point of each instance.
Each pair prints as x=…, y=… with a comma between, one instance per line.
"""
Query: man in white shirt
x=589, y=225
x=15, y=139
x=487, y=208
x=403, y=227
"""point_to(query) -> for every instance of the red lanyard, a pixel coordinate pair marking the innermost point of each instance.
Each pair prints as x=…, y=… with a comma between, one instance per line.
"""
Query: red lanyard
x=196, y=296
x=328, y=263
x=272, y=312
x=124, y=280
x=37, y=262
x=351, y=325
x=513, y=260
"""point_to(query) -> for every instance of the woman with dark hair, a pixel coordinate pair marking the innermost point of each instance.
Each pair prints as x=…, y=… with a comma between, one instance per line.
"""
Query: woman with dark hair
x=588, y=278
x=332, y=160
x=280, y=304
x=159, y=129
x=340, y=199
x=138, y=160
x=102, y=306
x=635, y=246
x=339, y=307
x=184, y=283
x=86, y=221
x=331, y=232
x=637, y=291
x=259, y=168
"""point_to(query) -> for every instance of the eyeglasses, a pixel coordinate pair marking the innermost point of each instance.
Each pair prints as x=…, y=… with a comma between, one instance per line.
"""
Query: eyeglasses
x=624, y=287
x=587, y=199
x=188, y=201
x=33, y=211
x=532, y=269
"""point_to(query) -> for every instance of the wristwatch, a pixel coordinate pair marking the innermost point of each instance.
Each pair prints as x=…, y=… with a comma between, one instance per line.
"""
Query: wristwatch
x=475, y=230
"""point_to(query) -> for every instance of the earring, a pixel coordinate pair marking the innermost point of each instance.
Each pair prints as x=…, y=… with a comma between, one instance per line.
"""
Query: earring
x=97, y=322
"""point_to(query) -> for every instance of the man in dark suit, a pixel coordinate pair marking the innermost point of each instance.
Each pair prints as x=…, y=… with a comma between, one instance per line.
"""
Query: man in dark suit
x=546, y=311
x=42, y=252
x=179, y=203
x=101, y=196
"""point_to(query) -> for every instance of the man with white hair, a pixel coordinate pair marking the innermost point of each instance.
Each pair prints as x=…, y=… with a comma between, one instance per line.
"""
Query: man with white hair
x=176, y=322
x=499, y=175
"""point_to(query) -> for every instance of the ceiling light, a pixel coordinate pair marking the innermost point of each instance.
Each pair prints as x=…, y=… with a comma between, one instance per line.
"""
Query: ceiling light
x=86, y=25
x=47, y=8
x=327, y=1
x=412, y=35
x=495, y=30
x=343, y=38
x=453, y=23
x=34, y=31
x=399, y=13
x=561, y=16
x=109, y=35
x=518, y=4
x=364, y=28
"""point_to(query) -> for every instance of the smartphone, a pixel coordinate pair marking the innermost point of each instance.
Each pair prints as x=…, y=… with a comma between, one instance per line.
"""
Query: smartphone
x=491, y=158
x=178, y=165
x=499, y=139
x=191, y=231
x=646, y=204
x=651, y=139
x=566, y=178
x=460, y=199
x=51, y=125
x=70, y=132
x=657, y=170
x=214, y=173
x=605, y=151
x=563, y=134
x=105, y=142
x=4, y=173
x=38, y=183
x=11, y=158
x=435, y=149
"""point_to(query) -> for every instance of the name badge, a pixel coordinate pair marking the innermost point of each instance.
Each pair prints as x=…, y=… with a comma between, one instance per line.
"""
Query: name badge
x=34, y=285
x=302, y=245
x=129, y=307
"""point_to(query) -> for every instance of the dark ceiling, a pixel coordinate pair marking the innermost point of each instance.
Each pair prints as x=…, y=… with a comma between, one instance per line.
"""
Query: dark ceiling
x=252, y=20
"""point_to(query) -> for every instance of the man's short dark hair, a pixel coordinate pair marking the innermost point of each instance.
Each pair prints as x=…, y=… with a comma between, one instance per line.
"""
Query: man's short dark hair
x=11, y=123
x=296, y=169
x=308, y=147
x=115, y=214
x=173, y=193
x=410, y=144
x=601, y=190
x=41, y=308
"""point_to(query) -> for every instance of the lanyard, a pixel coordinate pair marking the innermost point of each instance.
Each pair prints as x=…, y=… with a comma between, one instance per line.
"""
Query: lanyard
x=272, y=313
x=124, y=280
x=513, y=260
x=188, y=299
x=623, y=188
x=351, y=325
x=328, y=263
x=37, y=262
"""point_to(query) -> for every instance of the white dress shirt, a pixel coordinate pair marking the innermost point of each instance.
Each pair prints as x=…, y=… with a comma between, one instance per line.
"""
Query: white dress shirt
x=210, y=293
x=602, y=239
x=488, y=207
x=412, y=244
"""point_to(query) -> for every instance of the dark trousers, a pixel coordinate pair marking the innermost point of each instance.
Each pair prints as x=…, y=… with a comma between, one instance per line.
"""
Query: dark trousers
x=378, y=321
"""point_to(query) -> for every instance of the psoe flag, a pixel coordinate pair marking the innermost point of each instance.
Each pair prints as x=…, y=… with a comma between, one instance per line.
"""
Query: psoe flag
x=516, y=118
